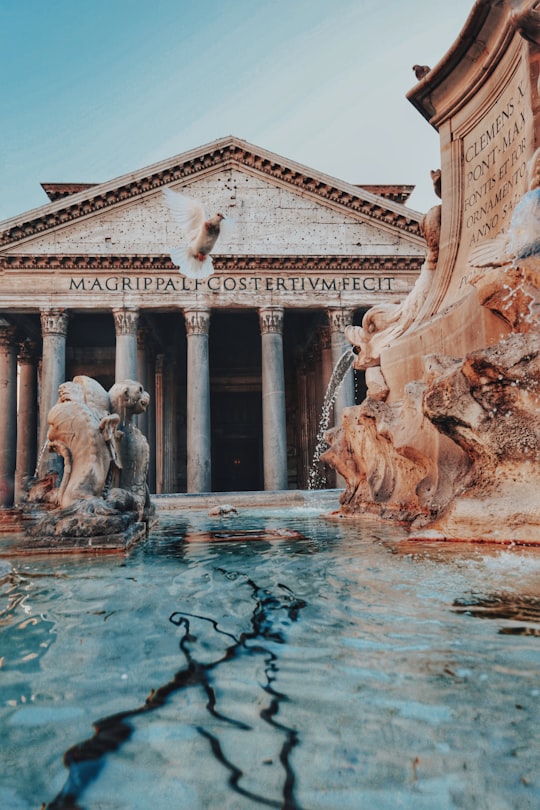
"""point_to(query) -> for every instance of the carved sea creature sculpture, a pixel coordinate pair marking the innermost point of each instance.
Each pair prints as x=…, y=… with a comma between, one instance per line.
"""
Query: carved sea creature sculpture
x=128, y=398
x=83, y=433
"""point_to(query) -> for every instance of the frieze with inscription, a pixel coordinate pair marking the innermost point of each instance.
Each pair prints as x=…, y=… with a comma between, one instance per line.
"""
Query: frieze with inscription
x=219, y=284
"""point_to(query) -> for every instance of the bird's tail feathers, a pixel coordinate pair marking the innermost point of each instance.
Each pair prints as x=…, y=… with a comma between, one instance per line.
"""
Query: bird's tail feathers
x=189, y=265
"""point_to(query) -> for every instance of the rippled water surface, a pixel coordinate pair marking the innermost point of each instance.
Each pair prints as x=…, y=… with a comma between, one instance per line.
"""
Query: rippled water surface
x=224, y=664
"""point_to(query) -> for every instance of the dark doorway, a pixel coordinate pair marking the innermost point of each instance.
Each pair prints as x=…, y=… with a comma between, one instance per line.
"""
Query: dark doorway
x=236, y=441
x=91, y=343
x=236, y=402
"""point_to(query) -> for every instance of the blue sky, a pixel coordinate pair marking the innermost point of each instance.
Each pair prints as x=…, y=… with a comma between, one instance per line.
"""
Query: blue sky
x=93, y=89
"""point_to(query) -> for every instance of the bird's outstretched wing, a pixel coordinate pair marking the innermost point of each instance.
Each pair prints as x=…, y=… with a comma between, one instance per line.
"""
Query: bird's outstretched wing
x=187, y=212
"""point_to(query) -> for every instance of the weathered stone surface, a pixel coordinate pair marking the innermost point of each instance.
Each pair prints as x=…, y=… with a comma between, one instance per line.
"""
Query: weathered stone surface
x=448, y=437
x=395, y=463
x=102, y=499
x=296, y=232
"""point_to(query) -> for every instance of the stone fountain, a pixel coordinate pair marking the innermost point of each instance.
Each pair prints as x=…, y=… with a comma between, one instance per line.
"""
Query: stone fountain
x=99, y=500
x=448, y=437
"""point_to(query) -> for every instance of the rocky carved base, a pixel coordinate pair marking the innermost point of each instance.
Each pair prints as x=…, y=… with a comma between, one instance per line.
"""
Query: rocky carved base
x=458, y=457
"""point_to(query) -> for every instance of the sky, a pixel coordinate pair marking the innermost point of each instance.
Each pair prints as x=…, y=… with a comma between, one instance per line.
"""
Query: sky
x=94, y=89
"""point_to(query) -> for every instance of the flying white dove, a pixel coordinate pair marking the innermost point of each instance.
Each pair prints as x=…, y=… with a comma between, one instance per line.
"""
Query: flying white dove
x=201, y=232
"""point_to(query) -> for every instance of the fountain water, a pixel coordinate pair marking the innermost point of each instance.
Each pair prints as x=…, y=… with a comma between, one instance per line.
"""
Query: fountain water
x=316, y=478
x=238, y=673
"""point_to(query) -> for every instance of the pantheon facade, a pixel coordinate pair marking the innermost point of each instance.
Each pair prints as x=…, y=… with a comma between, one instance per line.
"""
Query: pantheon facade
x=237, y=364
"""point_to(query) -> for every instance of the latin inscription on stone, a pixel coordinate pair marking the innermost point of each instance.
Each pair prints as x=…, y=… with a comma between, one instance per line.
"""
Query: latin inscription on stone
x=242, y=284
x=495, y=155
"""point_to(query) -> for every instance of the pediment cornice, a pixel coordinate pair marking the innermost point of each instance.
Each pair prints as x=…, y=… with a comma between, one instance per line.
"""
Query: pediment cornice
x=225, y=153
x=232, y=264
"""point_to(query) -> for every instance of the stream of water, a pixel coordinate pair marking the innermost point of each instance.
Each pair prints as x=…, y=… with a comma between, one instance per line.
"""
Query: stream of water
x=316, y=477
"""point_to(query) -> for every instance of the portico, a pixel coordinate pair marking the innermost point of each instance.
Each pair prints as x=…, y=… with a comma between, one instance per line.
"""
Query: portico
x=237, y=363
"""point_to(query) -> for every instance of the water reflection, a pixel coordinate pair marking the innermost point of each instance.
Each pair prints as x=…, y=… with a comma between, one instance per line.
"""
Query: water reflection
x=335, y=666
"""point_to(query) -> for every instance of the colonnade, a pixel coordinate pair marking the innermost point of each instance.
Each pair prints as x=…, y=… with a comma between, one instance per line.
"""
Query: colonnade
x=23, y=427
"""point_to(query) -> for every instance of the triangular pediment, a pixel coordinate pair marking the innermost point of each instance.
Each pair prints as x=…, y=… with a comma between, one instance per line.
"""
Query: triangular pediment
x=106, y=209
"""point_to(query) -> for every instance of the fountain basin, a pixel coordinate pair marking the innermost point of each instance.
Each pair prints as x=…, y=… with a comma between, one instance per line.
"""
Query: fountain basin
x=345, y=667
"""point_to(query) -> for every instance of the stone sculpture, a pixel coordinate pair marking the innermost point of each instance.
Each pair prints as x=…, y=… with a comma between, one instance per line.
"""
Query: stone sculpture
x=84, y=434
x=448, y=437
x=384, y=323
x=128, y=399
x=102, y=497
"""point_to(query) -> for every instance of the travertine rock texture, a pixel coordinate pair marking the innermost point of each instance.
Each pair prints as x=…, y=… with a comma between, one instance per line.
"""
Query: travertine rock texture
x=102, y=489
x=447, y=439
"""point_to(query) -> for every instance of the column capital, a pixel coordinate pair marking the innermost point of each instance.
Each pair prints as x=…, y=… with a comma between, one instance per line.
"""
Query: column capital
x=27, y=352
x=339, y=318
x=197, y=321
x=54, y=322
x=271, y=320
x=126, y=320
x=7, y=333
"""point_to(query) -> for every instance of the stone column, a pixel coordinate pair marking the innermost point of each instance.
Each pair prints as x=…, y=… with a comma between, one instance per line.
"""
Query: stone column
x=312, y=400
x=302, y=437
x=273, y=399
x=54, y=325
x=339, y=319
x=159, y=431
x=327, y=365
x=326, y=368
x=142, y=375
x=26, y=418
x=170, y=398
x=8, y=406
x=199, y=470
x=151, y=413
x=125, y=324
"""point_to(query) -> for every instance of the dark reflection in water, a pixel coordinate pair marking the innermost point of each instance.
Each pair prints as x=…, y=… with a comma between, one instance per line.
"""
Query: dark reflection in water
x=86, y=759
x=519, y=608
